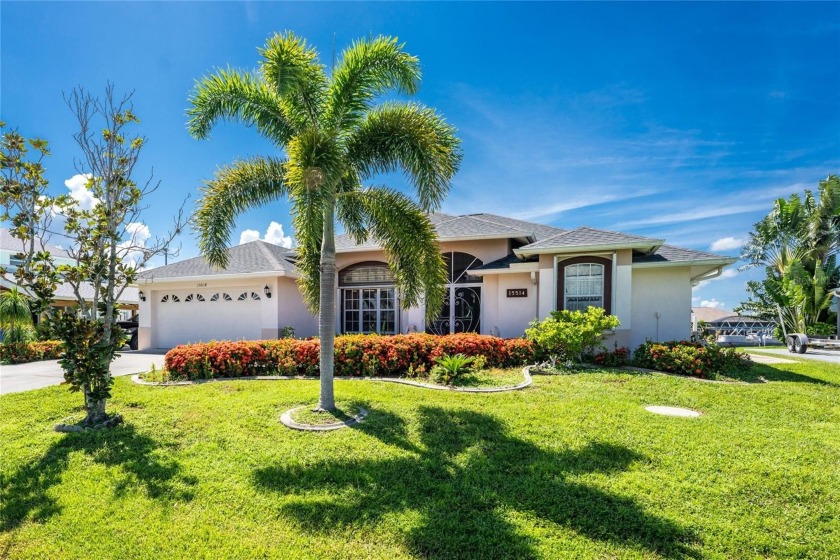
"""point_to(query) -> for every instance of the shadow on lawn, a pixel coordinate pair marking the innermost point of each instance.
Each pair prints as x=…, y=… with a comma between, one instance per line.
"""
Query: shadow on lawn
x=26, y=492
x=774, y=372
x=467, y=478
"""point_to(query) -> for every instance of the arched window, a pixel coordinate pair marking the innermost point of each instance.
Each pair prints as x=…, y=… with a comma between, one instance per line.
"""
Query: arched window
x=584, y=282
x=368, y=299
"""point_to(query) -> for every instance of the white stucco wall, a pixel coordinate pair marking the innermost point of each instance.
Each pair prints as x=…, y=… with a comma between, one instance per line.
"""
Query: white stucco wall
x=284, y=308
x=666, y=291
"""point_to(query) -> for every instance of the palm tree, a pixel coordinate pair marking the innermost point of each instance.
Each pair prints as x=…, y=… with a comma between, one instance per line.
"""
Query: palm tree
x=334, y=135
x=15, y=317
x=797, y=243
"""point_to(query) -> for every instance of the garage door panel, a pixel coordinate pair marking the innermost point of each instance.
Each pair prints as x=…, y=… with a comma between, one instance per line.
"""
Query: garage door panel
x=203, y=315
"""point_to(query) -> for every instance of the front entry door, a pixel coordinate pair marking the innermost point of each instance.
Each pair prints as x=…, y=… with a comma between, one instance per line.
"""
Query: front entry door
x=461, y=311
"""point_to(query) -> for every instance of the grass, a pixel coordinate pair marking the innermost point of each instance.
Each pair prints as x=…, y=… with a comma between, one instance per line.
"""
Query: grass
x=571, y=467
x=492, y=377
x=343, y=412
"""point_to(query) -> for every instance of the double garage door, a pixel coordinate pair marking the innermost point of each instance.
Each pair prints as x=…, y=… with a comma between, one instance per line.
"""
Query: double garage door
x=203, y=315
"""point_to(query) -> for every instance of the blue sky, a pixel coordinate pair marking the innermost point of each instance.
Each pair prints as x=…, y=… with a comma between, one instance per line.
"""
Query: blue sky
x=673, y=120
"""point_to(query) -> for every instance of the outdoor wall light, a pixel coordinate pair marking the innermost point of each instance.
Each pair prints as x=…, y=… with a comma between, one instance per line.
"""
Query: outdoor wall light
x=267, y=291
x=141, y=295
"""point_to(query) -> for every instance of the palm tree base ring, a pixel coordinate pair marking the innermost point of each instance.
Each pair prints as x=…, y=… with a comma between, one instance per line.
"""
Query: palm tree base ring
x=286, y=420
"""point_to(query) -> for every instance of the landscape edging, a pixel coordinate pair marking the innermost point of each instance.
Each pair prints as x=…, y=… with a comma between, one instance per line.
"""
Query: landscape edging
x=526, y=372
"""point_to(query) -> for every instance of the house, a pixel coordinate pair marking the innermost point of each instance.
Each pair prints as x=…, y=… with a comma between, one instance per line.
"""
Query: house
x=502, y=274
x=10, y=249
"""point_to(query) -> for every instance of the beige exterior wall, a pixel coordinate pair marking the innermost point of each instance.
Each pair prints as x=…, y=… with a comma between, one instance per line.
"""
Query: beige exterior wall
x=665, y=291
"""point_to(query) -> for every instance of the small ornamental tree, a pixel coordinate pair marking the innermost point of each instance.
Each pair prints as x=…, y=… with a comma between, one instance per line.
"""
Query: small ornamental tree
x=102, y=238
x=569, y=334
x=29, y=210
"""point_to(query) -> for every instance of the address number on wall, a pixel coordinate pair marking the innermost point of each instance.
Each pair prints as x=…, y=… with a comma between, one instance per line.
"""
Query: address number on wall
x=517, y=292
x=201, y=285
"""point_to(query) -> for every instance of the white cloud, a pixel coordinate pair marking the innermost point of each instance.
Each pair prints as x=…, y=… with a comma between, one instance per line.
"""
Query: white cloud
x=248, y=235
x=79, y=191
x=726, y=244
x=133, y=246
x=713, y=303
x=274, y=234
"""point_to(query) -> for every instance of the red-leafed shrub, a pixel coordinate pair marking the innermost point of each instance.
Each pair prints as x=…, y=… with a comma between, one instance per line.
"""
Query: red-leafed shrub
x=616, y=358
x=23, y=352
x=355, y=355
x=690, y=358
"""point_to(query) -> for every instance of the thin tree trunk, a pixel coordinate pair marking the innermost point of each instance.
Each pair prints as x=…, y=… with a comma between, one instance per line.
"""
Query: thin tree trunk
x=326, y=309
x=95, y=409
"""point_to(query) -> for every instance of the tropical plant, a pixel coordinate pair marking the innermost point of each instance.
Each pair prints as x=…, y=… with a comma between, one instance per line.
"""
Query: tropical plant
x=797, y=244
x=15, y=317
x=568, y=334
x=448, y=368
x=335, y=136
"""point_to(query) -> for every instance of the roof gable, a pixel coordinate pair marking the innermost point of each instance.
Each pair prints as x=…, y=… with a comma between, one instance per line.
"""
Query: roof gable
x=248, y=258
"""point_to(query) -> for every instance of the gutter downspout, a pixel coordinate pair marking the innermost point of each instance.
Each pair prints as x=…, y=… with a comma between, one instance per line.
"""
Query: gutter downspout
x=536, y=295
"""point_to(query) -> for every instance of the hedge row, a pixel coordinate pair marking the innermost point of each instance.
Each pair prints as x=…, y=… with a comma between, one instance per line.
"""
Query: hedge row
x=689, y=358
x=23, y=352
x=355, y=355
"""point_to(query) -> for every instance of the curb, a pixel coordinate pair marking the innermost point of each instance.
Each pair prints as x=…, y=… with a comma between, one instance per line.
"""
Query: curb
x=526, y=372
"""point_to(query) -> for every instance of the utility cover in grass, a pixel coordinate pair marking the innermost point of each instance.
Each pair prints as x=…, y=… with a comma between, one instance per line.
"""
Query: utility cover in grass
x=673, y=411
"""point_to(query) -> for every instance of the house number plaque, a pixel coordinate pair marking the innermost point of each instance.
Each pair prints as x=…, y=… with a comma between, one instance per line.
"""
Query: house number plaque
x=517, y=292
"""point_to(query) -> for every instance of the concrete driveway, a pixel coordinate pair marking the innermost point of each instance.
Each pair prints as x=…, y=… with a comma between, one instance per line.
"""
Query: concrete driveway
x=832, y=357
x=35, y=375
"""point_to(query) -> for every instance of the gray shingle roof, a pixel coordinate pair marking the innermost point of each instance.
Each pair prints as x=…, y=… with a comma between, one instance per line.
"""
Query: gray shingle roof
x=469, y=226
x=586, y=236
x=9, y=243
x=669, y=253
x=248, y=258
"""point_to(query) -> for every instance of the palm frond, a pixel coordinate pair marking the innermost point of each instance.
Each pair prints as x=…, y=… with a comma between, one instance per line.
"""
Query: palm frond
x=413, y=138
x=235, y=189
x=410, y=244
x=292, y=69
x=366, y=70
x=233, y=95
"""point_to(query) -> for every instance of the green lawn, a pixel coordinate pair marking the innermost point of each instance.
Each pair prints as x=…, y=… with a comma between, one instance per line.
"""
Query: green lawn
x=570, y=467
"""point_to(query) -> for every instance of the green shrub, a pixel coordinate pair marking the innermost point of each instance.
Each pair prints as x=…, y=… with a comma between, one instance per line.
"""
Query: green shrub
x=821, y=329
x=689, y=358
x=568, y=334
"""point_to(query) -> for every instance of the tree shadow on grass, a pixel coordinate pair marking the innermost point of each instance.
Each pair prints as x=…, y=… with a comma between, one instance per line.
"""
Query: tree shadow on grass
x=772, y=372
x=25, y=493
x=464, y=479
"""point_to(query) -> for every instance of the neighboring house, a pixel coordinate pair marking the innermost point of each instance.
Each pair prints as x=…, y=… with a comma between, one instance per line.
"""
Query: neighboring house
x=502, y=274
x=11, y=247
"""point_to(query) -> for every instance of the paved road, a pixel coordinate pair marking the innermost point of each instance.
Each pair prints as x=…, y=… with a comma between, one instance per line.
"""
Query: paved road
x=832, y=357
x=34, y=375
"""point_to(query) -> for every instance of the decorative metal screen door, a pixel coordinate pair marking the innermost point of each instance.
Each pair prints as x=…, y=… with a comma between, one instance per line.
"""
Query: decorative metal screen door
x=467, y=309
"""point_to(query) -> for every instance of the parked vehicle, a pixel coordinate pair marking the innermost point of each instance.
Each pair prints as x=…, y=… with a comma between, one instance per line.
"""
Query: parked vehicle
x=131, y=327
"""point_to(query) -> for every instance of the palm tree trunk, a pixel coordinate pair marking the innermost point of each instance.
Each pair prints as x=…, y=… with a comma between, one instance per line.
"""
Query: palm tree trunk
x=326, y=309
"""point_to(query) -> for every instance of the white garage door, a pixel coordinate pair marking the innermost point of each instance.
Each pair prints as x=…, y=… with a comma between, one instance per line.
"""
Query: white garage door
x=204, y=315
